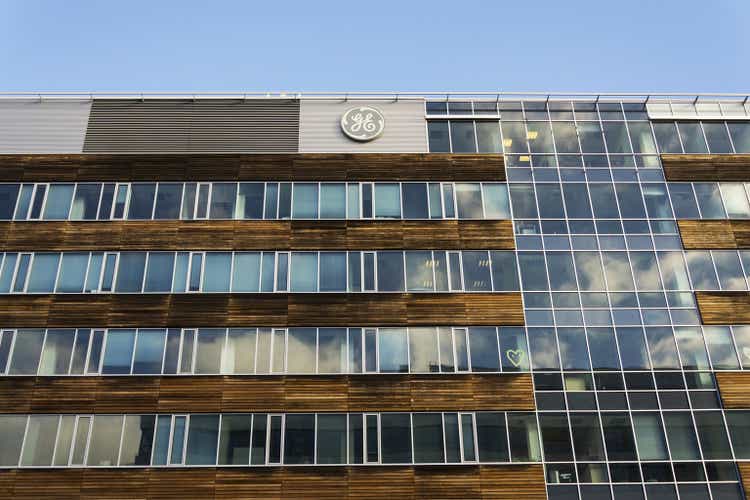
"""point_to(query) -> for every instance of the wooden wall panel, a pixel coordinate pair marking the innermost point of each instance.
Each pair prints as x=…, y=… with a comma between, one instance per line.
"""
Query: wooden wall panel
x=724, y=308
x=497, y=482
x=252, y=167
x=745, y=474
x=271, y=309
x=734, y=388
x=715, y=234
x=693, y=167
x=245, y=394
x=257, y=235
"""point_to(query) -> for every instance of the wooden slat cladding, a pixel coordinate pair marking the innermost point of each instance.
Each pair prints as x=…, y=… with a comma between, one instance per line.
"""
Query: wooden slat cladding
x=491, y=482
x=745, y=474
x=687, y=167
x=270, y=309
x=734, y=388
x=267, y=393
x=253, y=167
x=724, y=308
x=715, y=234
x=257, y=235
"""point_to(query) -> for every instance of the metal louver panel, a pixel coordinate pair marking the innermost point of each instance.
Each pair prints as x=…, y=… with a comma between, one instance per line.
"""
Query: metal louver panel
x=43, y=127
x=186, y=126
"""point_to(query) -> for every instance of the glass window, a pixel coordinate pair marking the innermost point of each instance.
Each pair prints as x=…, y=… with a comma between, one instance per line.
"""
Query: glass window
x=573, y=352
x=159, y=272
x=168, y=200
x=488, y=137
x=331, y=350
x=717, y=137
x=304, y=276
x=650, y=436
x=387, y=201
x=423, y=350
x=40, y=440
x=437, y=132
x=149, y=352
x=566, y=138
x=740, y=133
x=210, y=347
x=632, y=348
x=524, y=437
x=202, y=440
x=681, y=436
x=217, y=272
x=496, y=202
x=618, y=436
x=645, y=270
x=666, y=138
x=735, y=200
x=105, y=440
x=561, y=273
x=641, y=137
x=691, y=134
x=523, y=201
x=250, y=201
x=476, y=268
x=246, y=272
x=8, y=196
x=43, y=273
x=239, y=356
x=11, y=439
x=691, y=347
x=419, y=271
x=301, y=355
x=234, y=439
x=393, y=349
x=390, y=267
x=428, y=438
x=729, y=270
x=484, y=356
x=469, y=200
x=130, y=272
x=683, y=200
x=24, y=201
x=415, y=200
x=616, y=136
x=662, y=347
x=590, y=134
x=514, y=137
x=701, y=270
x=299, y=439
x=513, y=350
x=305, y=204
x=603, y=348
x=630, y=199
x=72, y=272
x=555, y=437
x=331, y=439
x=576, y=200
x=258, y=451
x=712, y=435
x=223, y=196
x=533, y=271
x=395, y=435
x=589, y=270
x=332, y=201
x=285, y=200
x=64, y=440
x=709, y=200
x=58, y=202
x=333, y=271
x=603, y=200
x=539, y=135
x=118, y=352
x=739, y=430
x=617, y=270
x=657, y=203
x=141, y=201
x=543, y=349
x=587, y=439
x=271, y=201
x=137, y=440
x=58, y=349
x=673, y=271
x=504, y=271
x=462, y=137
x=550, y=201
x=721, y=348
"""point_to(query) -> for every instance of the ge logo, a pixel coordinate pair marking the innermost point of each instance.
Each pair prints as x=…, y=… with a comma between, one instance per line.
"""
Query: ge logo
x=362, y=123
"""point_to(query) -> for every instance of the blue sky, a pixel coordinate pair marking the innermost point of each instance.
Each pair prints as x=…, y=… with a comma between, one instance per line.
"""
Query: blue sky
x=575, y=45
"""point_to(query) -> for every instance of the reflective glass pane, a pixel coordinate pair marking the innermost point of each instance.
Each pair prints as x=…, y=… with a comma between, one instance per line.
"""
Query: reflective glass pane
x=301, y=356
x=202, y=440
x=217, y=272
x=393, y=350
x=168, y=200
x=428, y=437
x=387, y=201
x=649, y=435
x=390, y=266
x=246, y=272
x=709, y=200
x=305, y=201
x=462, y=137
x=484, y=354
x=250, y=201
x=149, y=352
x=415, y=200
x=333, y=271
x=141, y=201
x=666, y=138
x=234, y=440
x=691, y=134
x=419, y=271
x=43, y=273
x=469, y=200
x=58, y=348
x=642, y=138
x=331, y=439
x=332, y=201
x=223, y=196
x=130, y=272
x=437, y=133
x=683, y=200
x=717, y=137
x=395, y=435
x=331, y=350
x=299, y=439
x=539, y=135
x=8, y=196
x=118, y=352
x=735, y=200
x=58, y=201
x=159, y=272
x=40, y=440
x=423, y=350
x=476, y=269
x=209, y=351
x=72, y=272
x=304, y=276
x=740, y=133
x=104, y=443
x=488, y=137
x=137, y=440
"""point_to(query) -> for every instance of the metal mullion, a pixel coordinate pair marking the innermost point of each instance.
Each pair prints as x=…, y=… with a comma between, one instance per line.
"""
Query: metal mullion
x=122, y=435
x=128, y=196
x=23, y=443
x=116, y=272
x=170, y=440
x=57, y=436
x=41, y=354
x=153, y=203
x=450, y=135
x=442, y=428
x=44, y=201
x=14, y=334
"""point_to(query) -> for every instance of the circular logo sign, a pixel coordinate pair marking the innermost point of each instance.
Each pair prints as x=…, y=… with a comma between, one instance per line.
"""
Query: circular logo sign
x=362, y=123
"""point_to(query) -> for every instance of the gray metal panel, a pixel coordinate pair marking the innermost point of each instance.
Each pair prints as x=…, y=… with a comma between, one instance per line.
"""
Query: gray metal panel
x=182, y=126
x=320, y=130
x=43, y=126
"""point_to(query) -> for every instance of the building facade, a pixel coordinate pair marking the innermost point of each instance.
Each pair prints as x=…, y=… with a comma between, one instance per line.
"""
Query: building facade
x=375, y=296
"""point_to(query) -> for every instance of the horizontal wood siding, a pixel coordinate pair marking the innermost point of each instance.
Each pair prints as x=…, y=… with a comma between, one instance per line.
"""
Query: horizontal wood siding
x=745, y=474
x=734, y=388
x=709, y=234
x=263, y=393
x=724, y=308
x=270, y=309
x=689, y=167
x=257, y=235
x=253, y=167
x=491, y=482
